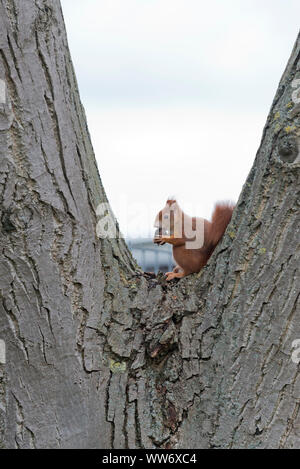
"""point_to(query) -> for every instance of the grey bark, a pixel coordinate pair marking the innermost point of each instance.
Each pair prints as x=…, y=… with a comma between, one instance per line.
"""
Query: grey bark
x=100, y=355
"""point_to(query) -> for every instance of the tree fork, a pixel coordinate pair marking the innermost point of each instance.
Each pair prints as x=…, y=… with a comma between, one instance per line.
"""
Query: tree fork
x=99, y=354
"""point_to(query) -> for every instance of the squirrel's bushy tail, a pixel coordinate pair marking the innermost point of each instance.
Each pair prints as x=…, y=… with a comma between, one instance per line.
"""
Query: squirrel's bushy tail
x=220, y=218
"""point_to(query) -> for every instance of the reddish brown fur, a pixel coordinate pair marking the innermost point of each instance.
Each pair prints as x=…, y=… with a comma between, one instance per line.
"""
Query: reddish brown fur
x=193, y=260
x=220, y=219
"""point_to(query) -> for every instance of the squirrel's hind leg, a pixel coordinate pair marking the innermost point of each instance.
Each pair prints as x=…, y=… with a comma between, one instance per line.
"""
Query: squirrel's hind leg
x=171, y=275
x=176, y=270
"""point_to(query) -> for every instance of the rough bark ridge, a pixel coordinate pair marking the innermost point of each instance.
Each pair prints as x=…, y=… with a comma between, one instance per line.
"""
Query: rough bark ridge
x=100, y=355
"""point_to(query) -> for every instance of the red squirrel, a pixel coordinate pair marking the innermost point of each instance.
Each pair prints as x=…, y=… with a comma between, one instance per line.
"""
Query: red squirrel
x=193, y=239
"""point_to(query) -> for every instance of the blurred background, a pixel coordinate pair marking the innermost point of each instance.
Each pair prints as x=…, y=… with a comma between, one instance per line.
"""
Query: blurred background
x=176, y=93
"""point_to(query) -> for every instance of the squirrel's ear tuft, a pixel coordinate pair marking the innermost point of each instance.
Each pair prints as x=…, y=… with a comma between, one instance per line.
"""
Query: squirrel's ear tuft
x=171, y=199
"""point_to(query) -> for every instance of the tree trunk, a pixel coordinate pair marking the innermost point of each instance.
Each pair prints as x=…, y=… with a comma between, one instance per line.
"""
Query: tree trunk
x=98, y=354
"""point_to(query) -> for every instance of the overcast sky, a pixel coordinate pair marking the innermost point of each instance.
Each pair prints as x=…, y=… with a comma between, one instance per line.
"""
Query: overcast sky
x=176, y=94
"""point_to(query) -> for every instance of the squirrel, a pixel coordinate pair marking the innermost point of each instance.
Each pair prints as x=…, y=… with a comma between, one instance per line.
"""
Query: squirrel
x=193, y=239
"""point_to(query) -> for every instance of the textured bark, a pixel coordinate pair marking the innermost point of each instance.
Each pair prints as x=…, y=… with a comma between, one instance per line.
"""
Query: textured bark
x=100, y=355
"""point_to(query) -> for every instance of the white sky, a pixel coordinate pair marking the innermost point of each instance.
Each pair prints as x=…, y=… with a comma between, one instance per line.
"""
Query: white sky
x=176, y=94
